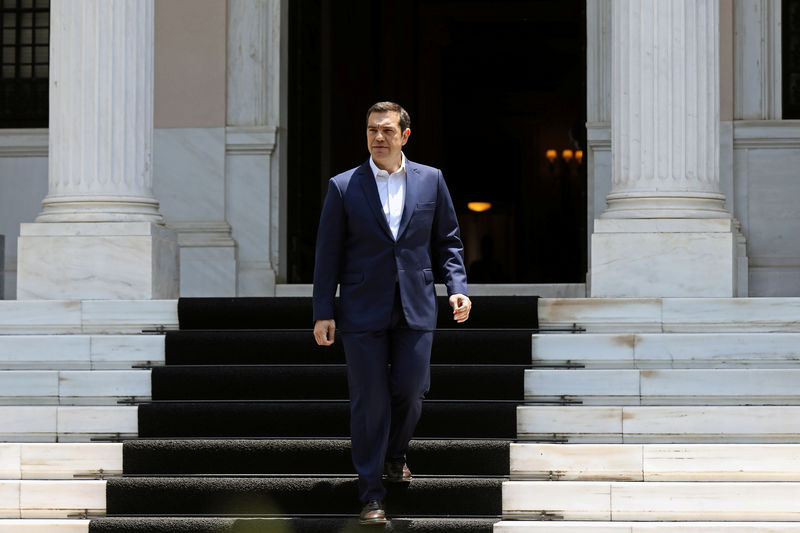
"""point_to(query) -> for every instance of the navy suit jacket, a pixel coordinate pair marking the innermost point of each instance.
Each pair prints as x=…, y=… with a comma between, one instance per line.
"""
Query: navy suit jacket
x=355, y=249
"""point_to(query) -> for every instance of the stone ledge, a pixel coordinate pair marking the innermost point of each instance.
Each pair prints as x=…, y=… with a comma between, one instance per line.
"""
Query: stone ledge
x=655, y=462
x=44, y=526
x=51, y=499
x=672, y=315
x=744, y=386
x=59, y=460
x=624, y=501
x=86, y=316
x=657, y=424
x=668, y=350
x=73, y=387
x=520, y=526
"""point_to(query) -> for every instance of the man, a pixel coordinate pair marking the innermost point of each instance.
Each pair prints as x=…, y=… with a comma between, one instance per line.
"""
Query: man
x=387, y=227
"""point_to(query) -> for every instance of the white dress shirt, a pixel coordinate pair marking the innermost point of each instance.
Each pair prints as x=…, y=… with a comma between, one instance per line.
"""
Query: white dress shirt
x=392, y=192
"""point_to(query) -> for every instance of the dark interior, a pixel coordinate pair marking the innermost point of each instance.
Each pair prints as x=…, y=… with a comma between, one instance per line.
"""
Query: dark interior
x=490, y=87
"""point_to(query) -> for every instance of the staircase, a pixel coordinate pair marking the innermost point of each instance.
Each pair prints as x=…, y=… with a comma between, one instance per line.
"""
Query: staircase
x=664, y=415
x=667, y=415
x=247, y=429
x=65, y=366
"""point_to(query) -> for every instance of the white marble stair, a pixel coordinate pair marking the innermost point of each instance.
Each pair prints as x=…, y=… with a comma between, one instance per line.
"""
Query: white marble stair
x=659, y=424
x=43, y=485
x=509, y=526
x=740, y=386
x=59, y=461
x=44, y=526
x=655, y=462
x=661, y=351
x=665, y=501
x=30, y=317
x=79, y=352
x=67, y=423
x=73, y=387
x=672, y=315
x=665, y=415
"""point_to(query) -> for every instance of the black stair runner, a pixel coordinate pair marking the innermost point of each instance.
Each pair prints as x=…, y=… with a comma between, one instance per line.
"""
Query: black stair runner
x=248, y=427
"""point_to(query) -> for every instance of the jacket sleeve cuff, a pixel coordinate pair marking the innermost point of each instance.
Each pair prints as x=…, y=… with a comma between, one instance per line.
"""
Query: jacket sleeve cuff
x=323, y=310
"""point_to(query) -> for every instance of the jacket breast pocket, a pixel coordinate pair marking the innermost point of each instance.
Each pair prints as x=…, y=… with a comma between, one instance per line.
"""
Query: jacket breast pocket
x=349, y=278
x=426, y=206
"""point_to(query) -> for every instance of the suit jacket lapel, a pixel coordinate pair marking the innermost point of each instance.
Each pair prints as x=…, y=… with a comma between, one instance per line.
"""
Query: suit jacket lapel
x=370, y=188
x=412, y=175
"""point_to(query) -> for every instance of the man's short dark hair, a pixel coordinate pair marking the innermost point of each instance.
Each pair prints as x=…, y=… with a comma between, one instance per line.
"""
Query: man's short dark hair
x=386, y=107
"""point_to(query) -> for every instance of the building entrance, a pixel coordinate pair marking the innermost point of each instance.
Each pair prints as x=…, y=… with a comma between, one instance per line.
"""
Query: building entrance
x=496, y=91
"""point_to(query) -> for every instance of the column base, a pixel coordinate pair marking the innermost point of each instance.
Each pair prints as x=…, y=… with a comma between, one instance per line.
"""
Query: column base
x=103, y=261
x=662, y=258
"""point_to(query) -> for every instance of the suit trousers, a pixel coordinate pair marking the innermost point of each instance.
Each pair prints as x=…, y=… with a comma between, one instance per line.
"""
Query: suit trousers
x=388, y=374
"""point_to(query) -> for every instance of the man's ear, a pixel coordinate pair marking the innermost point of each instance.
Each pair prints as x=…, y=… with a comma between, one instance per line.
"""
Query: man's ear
x=406, y=135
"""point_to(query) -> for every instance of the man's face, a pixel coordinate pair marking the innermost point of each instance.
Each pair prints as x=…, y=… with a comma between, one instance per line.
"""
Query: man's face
x=385, y=141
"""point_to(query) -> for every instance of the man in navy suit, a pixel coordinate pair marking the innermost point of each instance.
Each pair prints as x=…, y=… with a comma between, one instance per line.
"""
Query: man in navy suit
x=387, y=229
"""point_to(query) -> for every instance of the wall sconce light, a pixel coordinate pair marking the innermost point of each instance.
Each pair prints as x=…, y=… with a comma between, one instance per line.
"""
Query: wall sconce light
x=567, y=155
x=479, y=207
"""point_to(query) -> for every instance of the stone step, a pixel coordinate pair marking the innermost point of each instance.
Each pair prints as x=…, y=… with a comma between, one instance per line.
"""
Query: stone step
x=751, y=386
x=655, y=462
x=44, y=526
x=521, y=526
x=73, y=387
x=79, y=352
x=671, y=315
x=67, y=423
x=85, y=316
x=51, y=499
x=672, y=350
x=667, y=501
x=657, y=424
x=59, y=460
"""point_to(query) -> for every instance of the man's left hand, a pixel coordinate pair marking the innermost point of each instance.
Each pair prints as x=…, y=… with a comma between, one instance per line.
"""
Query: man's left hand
x=461, y=305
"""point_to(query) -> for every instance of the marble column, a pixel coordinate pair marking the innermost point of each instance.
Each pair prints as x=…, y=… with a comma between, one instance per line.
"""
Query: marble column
x=666, y=231
x=100, y=234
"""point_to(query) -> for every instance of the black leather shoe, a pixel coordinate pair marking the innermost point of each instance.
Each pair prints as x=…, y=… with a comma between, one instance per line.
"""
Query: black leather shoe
x=396, y=472
x=373, y=513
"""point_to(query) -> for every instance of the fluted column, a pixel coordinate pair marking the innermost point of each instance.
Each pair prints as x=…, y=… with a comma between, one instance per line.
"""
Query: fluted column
x=101, y=112
x=100, y=234
x=666, y=231
x=665, y=110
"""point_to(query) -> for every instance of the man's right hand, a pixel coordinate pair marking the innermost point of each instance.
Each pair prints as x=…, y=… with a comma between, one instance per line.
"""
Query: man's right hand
x=324, y=331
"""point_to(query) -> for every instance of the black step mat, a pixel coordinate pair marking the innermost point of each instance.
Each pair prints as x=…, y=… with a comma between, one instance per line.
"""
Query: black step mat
x=305, y=457
x=296, y=312
x=287, y=525
x=329, y=382
x=297, y=495
x=479, y=346
x=315, y=419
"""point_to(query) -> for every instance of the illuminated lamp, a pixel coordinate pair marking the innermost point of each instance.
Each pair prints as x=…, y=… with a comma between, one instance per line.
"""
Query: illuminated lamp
x=551, y=155
x=479, y=207
x=567, y=155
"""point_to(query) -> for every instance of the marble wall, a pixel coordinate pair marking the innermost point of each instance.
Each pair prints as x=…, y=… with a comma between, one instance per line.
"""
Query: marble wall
x=23, y=186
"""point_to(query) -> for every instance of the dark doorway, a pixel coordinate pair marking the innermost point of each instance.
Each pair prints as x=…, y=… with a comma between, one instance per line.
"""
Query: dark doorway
x=491, y=86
